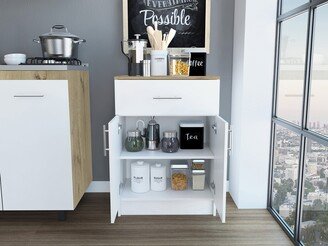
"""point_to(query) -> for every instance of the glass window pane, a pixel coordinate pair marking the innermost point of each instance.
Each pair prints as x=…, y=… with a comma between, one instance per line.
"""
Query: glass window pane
x=288, y=5
x=285, y=173
x=318, y=107
x=314, y=227
x=291, y=68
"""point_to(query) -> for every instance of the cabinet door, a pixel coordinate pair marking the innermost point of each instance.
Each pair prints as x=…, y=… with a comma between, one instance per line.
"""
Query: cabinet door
x=115, y=165
x=35, y=153
x=219, y=145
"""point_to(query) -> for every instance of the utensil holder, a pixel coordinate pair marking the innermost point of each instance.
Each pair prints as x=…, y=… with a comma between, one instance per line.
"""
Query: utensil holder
x=158, y=62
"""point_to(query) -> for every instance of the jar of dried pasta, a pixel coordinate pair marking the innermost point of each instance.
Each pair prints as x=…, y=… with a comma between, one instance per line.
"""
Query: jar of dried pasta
x=179, y=175
x=179, y=64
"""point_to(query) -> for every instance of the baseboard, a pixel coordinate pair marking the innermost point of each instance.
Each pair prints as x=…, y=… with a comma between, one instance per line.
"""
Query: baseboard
x=98, y=187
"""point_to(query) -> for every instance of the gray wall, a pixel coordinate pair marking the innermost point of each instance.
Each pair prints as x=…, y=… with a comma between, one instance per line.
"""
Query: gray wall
x=100, y=22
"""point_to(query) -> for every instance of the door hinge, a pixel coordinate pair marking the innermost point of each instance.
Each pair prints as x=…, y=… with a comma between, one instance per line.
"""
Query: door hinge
x=215, y=128
x=119, y=128
x=212, y=185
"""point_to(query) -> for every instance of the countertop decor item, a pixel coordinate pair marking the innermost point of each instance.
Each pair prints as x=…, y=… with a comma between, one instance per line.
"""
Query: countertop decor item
x=59, y=43
x=14, y=59
x=158, y=177
x=170, y=142
x=179, y=64
x=140, y=182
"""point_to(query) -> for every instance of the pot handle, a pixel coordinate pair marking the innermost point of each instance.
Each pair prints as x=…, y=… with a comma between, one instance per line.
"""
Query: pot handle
x=36, y=41
x=79, y=41
x=58, y=27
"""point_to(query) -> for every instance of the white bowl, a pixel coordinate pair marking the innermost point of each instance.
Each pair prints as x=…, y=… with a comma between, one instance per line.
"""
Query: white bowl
x=14, y=59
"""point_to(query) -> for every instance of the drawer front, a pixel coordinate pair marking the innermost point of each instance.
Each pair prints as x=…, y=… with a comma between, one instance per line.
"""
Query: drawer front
x=167, y=97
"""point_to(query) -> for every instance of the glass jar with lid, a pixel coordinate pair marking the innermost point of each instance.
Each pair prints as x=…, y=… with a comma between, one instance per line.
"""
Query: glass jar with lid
x=170, y=142
x=134, y=141
x=179, y=64
x=179, y=174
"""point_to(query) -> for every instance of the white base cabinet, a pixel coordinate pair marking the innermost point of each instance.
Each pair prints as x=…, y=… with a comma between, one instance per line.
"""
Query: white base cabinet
x=212, y=200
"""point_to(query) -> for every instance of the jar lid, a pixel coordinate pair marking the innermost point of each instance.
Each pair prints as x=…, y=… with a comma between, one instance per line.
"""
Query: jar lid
x=179, y=166
x=191, y=124
x=170, y=134
x=198, y=171
x=134, y=133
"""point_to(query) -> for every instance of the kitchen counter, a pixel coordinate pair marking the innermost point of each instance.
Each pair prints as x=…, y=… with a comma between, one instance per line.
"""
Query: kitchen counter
x=83, y=67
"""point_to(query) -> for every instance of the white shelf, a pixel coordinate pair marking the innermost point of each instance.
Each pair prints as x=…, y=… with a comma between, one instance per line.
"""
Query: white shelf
x=205, y=153
x=127, y=195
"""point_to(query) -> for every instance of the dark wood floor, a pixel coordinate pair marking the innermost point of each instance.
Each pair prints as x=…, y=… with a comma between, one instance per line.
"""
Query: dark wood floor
x=89, y=225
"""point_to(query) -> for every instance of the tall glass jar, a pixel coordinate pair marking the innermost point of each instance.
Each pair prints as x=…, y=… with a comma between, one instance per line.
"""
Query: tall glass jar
x=134, y=141
x=170, y=142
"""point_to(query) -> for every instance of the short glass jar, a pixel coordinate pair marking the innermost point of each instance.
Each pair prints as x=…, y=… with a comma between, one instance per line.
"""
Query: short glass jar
x=134, y=141
x=179, y=64
x=170, y=142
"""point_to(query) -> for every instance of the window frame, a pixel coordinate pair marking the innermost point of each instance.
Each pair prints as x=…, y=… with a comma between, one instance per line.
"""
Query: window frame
x=301, y=130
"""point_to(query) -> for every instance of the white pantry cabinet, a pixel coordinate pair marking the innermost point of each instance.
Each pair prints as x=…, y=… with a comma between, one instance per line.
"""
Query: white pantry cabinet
x=45, y=153
x=186, y=99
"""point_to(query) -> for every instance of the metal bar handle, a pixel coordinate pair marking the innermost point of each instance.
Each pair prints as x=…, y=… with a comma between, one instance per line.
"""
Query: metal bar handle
x=28, y=96
x=105, y=140
x=230, y=140
x=167, y=98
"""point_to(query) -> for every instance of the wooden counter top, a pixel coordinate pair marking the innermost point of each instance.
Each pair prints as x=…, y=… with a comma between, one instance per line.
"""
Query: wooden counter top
x=126, y=77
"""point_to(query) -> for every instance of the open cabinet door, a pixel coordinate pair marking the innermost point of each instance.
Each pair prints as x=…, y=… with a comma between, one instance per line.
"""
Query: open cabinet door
x=115, y=148
x=219, y=145
x=1, y=201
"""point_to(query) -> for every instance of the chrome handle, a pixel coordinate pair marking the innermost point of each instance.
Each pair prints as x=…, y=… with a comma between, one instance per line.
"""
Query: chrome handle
x=105, y=140
x=167, y=98
x=230, y=140
x=36, y=41
x=79, y=41
x=28, y=96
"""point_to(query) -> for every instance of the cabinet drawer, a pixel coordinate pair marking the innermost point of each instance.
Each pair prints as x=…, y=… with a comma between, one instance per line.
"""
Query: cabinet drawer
x=167, y=97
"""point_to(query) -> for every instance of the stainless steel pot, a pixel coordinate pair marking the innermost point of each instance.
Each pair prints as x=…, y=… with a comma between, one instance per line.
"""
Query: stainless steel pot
x=59, y=43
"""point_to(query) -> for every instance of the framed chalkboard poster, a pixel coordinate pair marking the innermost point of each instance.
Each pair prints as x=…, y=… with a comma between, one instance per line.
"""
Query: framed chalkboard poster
x=190, y=18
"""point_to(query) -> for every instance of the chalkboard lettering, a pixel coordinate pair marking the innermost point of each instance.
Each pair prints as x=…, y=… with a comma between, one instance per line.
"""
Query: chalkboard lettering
x=187, y=17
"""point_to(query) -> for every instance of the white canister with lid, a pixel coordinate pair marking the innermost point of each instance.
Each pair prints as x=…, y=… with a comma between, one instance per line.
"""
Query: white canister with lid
x=140, y=182
x=158, y=60
x=158, y=177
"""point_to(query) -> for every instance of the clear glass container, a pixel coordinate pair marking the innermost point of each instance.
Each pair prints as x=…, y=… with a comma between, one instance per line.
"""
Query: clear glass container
x=179, y=175
x=198, y=179
x=134, y=141
x=170, y=142
x=179, y=64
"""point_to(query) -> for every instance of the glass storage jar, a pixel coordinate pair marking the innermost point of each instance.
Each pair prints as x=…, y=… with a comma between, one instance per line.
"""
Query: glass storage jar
x=198, y=179
x=170, y=142
x=179, y=64
x=134, y=141
x=179, y=175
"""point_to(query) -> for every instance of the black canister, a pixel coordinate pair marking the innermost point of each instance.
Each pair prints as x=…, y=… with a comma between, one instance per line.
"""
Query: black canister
x=191, y=135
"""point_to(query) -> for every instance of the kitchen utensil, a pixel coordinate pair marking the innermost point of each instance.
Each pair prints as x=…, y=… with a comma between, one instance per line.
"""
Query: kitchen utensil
x=140, y=182
x=158, y=60
x=14, y=59
x=158, y=37
x=179, y=64
x=170, y=142
x=170, y=36
x=179, y=174
x=152, y=135
x=59, y=43
x=136, y=54
x=158, y=177
x=134, y=141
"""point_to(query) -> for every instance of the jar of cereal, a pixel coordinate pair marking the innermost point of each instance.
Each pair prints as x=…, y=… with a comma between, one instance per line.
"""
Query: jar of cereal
x=179, y=174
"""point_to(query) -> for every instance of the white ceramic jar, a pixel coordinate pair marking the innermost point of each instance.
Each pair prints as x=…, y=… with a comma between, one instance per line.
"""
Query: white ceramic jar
x=158, y=60
x=158, y=177
x=140, y=182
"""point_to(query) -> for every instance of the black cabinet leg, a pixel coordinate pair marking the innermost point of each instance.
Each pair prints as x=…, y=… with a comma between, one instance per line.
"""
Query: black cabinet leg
x=61, y=215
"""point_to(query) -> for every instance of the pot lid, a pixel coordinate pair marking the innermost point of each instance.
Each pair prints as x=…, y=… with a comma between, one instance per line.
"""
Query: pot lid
x=59, y=31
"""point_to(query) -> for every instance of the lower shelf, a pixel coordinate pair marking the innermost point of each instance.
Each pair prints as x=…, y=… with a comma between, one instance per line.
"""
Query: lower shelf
x=167, y=202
